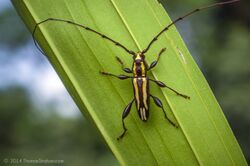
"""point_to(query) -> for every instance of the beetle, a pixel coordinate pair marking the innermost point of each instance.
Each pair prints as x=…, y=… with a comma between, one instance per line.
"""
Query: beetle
x=140, y=80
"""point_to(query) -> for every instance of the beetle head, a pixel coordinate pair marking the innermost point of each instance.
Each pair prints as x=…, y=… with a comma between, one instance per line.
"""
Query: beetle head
x=139, y=57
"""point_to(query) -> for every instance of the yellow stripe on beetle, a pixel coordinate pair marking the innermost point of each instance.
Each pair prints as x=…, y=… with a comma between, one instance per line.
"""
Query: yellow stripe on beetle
x=143, y=72
x=144, y=92
x=136, y=92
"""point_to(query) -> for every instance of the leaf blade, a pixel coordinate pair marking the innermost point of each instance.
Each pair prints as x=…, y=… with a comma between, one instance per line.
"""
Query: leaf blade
x=68, y=48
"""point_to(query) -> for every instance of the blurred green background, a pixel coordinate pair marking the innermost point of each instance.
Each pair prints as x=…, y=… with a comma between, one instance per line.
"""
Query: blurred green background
x=38, y=119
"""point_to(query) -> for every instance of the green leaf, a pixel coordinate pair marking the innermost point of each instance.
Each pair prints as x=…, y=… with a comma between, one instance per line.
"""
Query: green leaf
x=203, y=137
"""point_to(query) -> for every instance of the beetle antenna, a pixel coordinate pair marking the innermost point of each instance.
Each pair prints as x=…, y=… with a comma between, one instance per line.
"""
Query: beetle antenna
x=81, y=26
x=186, y=15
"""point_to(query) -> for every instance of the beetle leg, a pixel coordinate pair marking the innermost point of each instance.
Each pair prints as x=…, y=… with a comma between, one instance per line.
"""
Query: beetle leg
x=121, y=77
x=154, y=63
x=159, y=104
x=161, y=84
x=124, y=115
x=127, y=70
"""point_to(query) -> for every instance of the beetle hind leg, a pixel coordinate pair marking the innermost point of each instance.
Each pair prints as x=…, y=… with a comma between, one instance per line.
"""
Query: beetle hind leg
x=124, y=115
x=159, y=104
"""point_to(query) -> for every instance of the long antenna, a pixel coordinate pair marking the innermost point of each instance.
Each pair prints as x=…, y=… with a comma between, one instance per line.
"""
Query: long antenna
x=181, y=18
x=81, y=26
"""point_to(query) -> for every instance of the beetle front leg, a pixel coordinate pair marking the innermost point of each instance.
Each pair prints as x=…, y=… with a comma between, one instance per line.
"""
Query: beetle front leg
x=161, y=84
x=154, y=63
x=159, y=104
x=124, y=115
x=127, y=70
x=121, y=77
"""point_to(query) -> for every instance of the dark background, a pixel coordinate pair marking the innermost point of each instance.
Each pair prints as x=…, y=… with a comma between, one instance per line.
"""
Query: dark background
x=38, y=119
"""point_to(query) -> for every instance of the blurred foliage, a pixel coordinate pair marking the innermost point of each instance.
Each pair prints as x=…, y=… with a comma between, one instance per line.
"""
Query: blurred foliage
x=28, y=133
x=13, y=32
x=219, y=39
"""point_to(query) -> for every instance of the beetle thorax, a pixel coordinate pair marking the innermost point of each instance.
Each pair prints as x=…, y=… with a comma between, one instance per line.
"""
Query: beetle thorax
x=139, y=66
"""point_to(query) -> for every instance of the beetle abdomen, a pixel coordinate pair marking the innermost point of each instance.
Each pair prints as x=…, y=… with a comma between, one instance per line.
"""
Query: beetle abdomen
x=141, y=92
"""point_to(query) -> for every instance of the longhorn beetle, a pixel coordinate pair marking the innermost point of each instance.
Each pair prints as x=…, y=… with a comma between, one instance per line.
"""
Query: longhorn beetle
x=140, y=81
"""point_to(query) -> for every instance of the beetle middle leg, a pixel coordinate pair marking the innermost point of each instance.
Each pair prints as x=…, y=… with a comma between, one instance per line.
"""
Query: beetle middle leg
x=159, y=104
x=124, y=115
x=161, y=84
